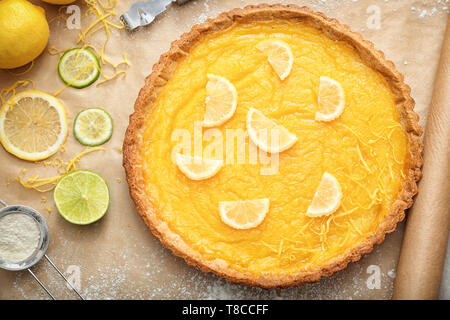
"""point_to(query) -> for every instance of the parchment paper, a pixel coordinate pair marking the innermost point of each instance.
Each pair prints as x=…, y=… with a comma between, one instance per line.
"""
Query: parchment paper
x=426, y=234
x=118, y=258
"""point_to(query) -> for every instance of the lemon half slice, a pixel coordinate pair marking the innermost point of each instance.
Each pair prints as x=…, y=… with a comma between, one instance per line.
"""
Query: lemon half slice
x=331, y=100
x=33, y=125
x=221, y=101
x=244, y=214
x=268, y=135
x=196, y=168
x=327, y=198
x=279, y=56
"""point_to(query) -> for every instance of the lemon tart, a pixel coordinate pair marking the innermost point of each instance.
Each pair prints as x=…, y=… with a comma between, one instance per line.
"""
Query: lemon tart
x=342, y=143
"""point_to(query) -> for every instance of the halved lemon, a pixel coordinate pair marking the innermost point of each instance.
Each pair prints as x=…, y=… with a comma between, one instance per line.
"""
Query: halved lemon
x=33, y=125
x=268, y=135
x=331, y=100
x=279, y=56
x=327, y=198
x=221, y=101
x=244, y=214
x=197, y=168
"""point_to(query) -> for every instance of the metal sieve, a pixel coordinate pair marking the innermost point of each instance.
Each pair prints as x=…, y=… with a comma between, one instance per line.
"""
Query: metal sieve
x=39, y=252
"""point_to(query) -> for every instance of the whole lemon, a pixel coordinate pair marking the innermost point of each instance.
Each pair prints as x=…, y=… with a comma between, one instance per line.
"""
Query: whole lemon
x=59, y=1
x=24, y=33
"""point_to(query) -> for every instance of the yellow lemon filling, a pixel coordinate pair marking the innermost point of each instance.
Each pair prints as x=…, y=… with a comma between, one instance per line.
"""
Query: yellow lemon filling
x=365, y=149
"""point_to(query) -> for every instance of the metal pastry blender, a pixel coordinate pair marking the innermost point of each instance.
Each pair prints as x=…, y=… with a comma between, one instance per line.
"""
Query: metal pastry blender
x=144, y=12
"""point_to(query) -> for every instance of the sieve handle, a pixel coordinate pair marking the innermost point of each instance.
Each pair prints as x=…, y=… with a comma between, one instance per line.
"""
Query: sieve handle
x=61, y=274
x=41, y=284
x=3, y=203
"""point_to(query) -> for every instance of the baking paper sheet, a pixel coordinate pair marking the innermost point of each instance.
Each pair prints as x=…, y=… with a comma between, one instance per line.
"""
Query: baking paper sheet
x=117, y=257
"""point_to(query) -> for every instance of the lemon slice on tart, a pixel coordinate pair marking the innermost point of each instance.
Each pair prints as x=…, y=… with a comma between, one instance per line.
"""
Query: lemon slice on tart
x=244, y=214
x=197, y=168
x=327, y=197
x=279, y=55
x=221, y=101
x=268, y=135
x=331, y=100
x=33, y=125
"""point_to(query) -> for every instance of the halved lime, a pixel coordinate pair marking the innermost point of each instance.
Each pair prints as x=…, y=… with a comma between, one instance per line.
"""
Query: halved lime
x=93, y=127
x=82, y=197
x=79, y=67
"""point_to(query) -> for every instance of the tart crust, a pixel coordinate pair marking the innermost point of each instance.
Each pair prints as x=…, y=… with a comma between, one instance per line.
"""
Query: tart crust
x=164, y=69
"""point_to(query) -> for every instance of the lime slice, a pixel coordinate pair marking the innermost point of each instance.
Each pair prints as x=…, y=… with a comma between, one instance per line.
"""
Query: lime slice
x=82, y=197
x=79, y=68
x=93, y=127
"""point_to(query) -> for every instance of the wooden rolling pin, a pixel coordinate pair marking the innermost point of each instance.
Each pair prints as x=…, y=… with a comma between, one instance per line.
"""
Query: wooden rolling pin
x=424, y=245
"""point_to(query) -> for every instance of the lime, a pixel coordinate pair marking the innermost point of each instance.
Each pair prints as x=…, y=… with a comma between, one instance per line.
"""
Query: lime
x=82, y=197
x=79, y=67
x=93, y=127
